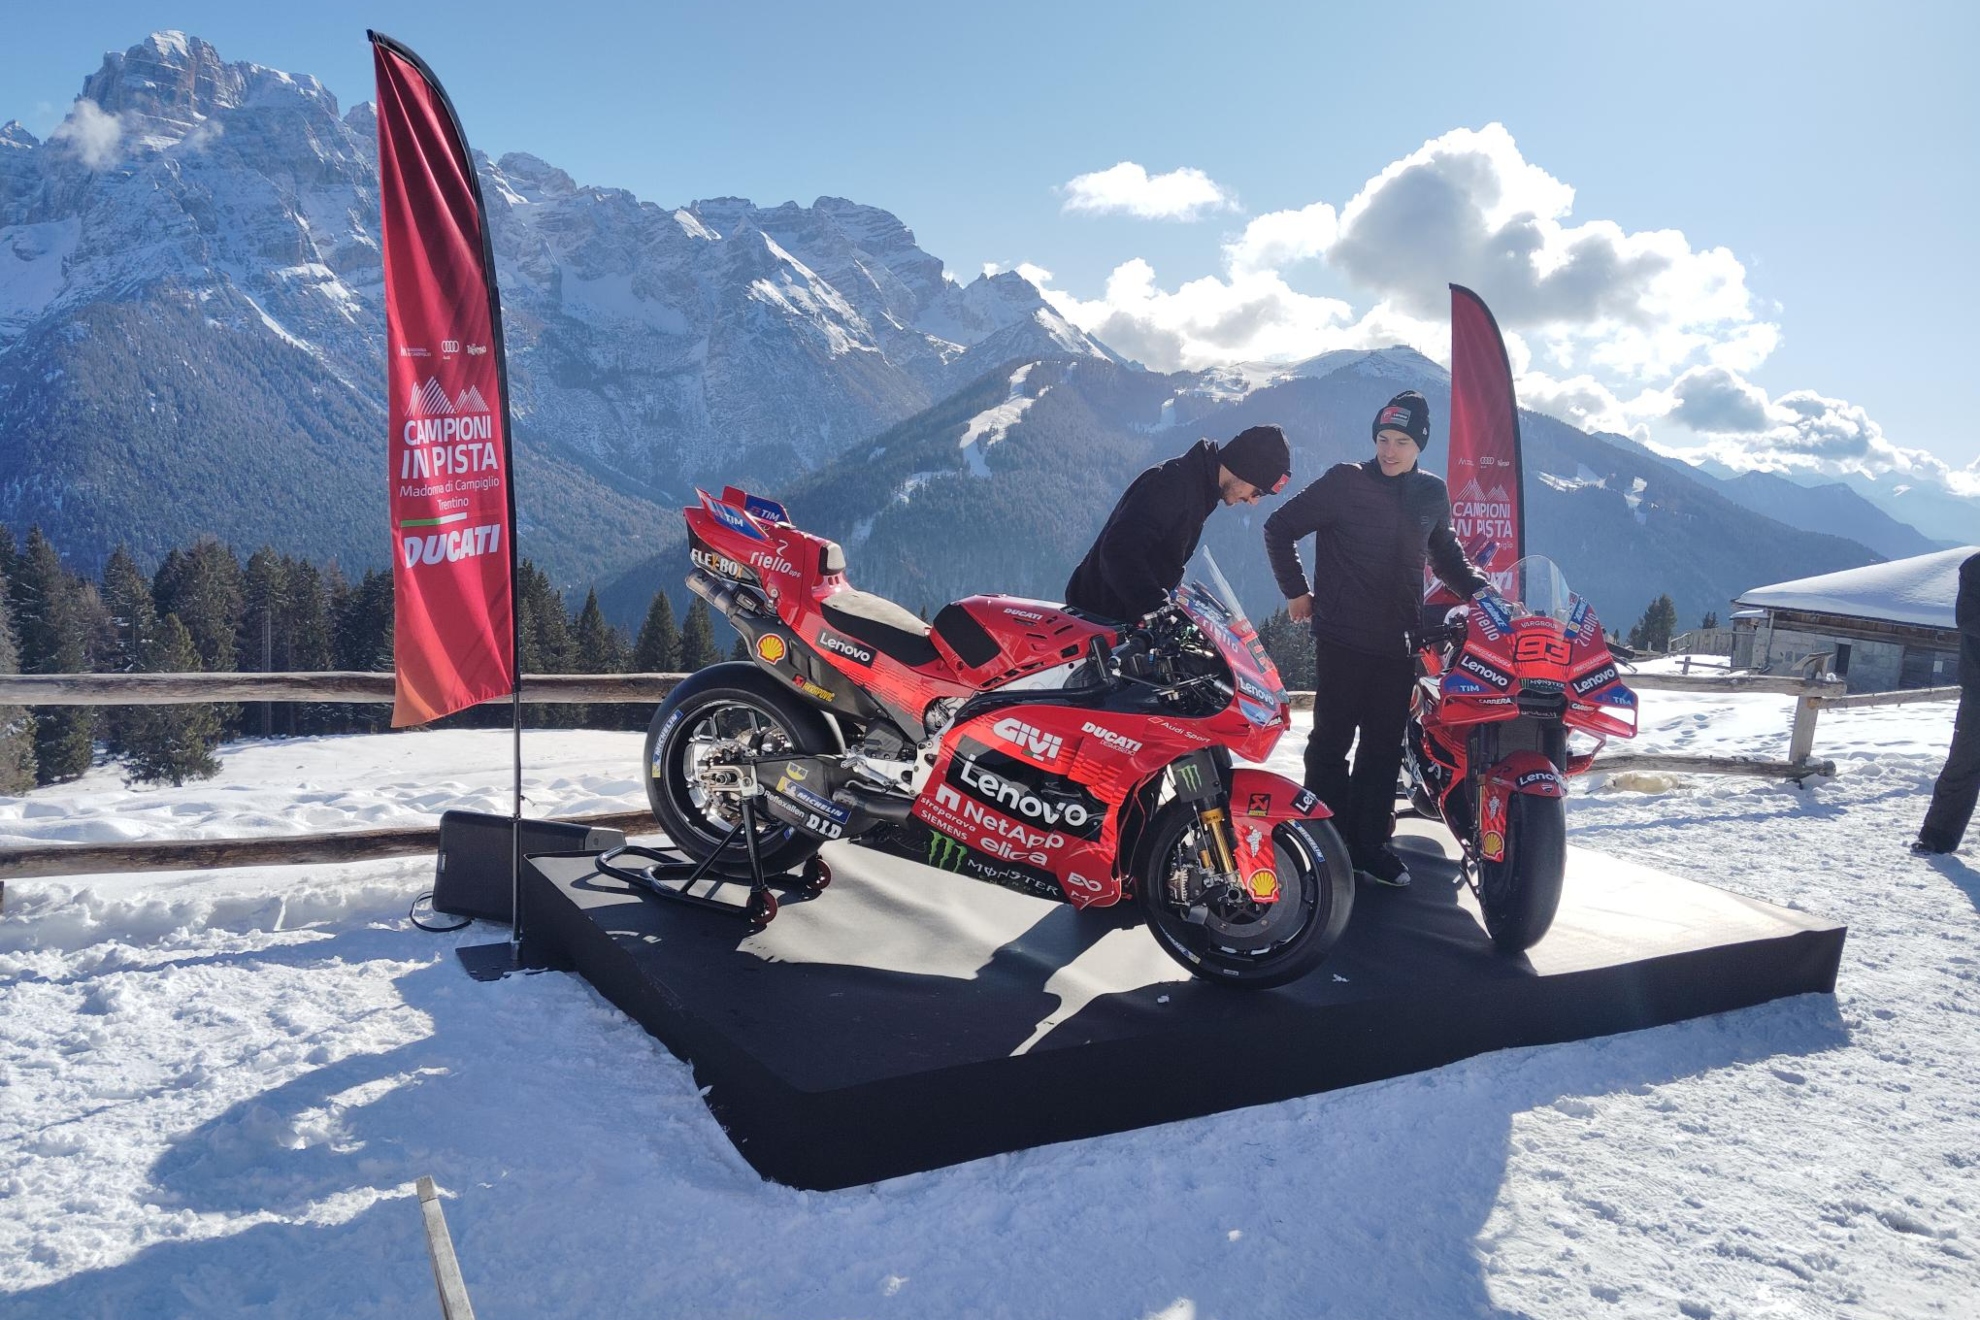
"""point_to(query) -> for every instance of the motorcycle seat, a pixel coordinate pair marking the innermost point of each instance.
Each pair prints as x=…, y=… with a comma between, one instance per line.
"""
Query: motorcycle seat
x=881, y=624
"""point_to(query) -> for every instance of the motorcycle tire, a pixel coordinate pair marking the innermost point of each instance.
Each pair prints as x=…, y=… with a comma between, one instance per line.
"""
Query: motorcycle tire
x=1520, y=893
x=1251, y=946
x=724, y=701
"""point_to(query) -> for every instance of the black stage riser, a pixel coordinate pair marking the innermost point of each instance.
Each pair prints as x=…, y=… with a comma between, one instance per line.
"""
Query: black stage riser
x=875, y=1030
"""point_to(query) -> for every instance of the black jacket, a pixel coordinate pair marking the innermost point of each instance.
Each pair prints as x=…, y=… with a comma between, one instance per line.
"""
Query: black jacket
x=1149, y=537
x=1374, y=533
x=1966, y=614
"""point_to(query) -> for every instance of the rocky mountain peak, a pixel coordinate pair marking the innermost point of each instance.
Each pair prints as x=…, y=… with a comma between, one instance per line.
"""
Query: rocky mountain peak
x=14, y=134
x=168, y=77
x=535, y=177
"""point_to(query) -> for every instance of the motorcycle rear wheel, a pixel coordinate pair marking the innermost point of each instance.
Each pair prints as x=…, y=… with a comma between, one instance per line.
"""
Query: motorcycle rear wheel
x=722, y=702
x=1250, y=946
x=1520, y=893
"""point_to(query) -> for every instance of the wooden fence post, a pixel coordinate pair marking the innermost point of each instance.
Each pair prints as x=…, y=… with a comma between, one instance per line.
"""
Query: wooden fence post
x=454, y=1304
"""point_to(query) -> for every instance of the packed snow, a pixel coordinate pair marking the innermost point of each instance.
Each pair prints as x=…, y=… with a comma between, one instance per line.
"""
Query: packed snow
x=994, y=423
x=217, y=1091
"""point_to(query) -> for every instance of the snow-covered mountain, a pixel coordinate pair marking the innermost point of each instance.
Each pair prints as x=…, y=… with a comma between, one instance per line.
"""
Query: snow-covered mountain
x=191, y=326
x=1012, y=476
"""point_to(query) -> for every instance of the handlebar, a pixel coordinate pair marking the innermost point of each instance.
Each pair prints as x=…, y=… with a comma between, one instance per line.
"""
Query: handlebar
x=1621, y=652
x=1442, y=635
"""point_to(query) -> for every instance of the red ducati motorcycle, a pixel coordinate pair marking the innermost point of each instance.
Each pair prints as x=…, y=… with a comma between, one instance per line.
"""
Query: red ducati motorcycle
x=1013, y=741
x=1501, y=685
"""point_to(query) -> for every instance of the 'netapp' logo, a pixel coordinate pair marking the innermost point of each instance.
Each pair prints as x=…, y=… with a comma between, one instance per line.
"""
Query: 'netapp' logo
x=843, y=646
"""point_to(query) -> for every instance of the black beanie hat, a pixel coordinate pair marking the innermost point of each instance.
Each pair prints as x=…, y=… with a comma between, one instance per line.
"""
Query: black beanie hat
x=1259, y=455
x=1408, y=412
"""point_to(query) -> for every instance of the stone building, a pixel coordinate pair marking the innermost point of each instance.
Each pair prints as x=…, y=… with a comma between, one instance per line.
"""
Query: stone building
x=1883, y=626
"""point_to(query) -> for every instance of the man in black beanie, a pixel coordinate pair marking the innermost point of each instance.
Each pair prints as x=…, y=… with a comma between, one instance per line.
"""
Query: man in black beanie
x=1374, y=524
x=1141, y=551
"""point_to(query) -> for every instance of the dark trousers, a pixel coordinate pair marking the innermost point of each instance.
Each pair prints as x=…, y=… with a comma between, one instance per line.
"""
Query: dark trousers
x=1959, y=782
x=1366, y=694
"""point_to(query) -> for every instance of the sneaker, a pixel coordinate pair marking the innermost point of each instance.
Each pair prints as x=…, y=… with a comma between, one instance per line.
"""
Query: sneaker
x=1384, y=868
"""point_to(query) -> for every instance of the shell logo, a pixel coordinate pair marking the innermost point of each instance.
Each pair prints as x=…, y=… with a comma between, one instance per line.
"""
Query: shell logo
x=1493, y=845
x=770, y=648
x=1264, y=886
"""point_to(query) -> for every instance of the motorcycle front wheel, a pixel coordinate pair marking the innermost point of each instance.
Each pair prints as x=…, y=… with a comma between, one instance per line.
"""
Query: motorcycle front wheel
x=1520, y=893
x=1253, y=946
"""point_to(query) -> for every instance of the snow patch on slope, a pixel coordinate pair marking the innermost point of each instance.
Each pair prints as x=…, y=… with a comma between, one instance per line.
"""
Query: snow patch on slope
x=33, y=269
x=993, y=424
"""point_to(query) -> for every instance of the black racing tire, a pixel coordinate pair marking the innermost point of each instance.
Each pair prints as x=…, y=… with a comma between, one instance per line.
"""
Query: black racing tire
x=1251, y=947
x=1520, y=894
x=722, y=701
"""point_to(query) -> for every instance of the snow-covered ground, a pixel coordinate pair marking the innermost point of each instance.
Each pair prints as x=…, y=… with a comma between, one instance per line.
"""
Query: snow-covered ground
x=217, y=1090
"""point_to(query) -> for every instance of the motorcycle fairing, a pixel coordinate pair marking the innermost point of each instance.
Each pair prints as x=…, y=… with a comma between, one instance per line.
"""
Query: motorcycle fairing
x=1260, y=802
x=1524, y=771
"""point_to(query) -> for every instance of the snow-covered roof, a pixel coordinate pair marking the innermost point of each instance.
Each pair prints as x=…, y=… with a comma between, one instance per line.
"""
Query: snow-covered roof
x=1918, y=590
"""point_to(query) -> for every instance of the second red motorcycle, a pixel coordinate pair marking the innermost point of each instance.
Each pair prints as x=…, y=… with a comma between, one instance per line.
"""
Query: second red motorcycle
x=1502, y=685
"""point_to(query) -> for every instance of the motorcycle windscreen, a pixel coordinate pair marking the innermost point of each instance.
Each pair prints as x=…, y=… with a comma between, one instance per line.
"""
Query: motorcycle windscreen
x=1206, y=597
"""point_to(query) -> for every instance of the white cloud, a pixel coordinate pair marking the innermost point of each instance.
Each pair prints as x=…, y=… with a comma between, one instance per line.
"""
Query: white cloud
x=1635, y=332
x=94, y=136
x=1281, y=238
x=1128, y=189
x=1744, y=428
x=1586, y=402
x=1202, y=322
x=1468, y=208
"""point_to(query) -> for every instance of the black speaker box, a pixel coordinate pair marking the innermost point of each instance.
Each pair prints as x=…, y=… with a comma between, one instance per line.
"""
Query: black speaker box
x=471, y=878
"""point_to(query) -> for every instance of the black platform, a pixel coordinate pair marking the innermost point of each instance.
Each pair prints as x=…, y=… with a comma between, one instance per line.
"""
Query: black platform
x=908, y=1019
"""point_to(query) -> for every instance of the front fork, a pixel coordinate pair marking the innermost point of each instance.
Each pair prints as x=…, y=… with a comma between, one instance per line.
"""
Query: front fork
x=1202, y=780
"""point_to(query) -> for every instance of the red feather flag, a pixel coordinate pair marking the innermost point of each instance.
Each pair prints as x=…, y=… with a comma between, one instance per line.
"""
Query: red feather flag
x=452, y=498
x=1484, y=473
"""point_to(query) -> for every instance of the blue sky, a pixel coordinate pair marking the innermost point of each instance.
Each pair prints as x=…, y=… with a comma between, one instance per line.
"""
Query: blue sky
x=1818, y=160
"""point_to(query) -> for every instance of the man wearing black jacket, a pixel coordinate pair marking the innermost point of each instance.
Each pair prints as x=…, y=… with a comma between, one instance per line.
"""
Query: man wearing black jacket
x=1959, y=781
x=1141, y=551
x=1374, y=524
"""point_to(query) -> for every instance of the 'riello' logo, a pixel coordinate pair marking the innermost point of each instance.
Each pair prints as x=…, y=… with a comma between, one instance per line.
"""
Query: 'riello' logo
x=447, y=436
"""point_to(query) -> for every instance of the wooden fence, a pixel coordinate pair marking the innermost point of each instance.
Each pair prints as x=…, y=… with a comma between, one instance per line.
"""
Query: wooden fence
x=1813, y=695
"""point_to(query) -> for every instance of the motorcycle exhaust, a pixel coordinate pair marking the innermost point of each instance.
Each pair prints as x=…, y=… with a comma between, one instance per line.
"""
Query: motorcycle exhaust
x=720, y=595
x=889, y=807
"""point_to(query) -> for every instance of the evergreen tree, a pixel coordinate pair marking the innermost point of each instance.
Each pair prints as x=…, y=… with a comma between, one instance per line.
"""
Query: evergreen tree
x=204, y=587
x=307, y=643
x=258, y=637
x=361, y=621
x=546, y=640
x=16, y=722
x=740, y=651
x=133, y=616
x=1711, y=619
x=133, y=632
x=698, y=639
x=52, y=641
x=658, y=650
x=172, y=743
x=10, y=554
x=1291, y=647
x=1653, y=631
x=596, y=648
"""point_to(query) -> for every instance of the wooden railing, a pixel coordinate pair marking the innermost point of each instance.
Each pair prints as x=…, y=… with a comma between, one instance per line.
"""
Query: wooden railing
x=1812, y=694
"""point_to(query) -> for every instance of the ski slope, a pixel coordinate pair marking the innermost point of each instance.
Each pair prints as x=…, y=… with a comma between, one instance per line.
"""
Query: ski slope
x=217, y=1090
